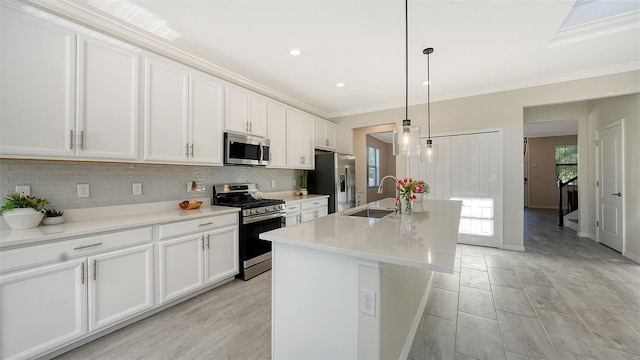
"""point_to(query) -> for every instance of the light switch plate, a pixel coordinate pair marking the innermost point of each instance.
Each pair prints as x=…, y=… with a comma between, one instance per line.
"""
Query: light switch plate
x=137, y=188
x=82, y=190
x=273, y=183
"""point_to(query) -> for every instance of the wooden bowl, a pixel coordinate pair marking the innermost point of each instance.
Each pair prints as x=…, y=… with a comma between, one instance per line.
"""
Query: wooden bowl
x=190, y=206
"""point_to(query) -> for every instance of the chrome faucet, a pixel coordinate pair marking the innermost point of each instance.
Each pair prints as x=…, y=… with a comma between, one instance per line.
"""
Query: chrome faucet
x=398, y=204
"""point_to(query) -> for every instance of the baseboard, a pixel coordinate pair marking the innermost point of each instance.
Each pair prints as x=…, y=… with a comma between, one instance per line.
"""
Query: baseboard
x=586, y=235
x=632, y=256
x=513, y=247
x=416, y=321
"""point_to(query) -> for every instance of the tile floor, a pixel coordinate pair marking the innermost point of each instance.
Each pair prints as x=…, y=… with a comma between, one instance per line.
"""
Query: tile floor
x=564, y=298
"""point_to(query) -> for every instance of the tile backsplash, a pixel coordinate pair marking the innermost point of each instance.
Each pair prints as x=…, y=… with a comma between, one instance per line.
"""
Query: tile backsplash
x=112, y=183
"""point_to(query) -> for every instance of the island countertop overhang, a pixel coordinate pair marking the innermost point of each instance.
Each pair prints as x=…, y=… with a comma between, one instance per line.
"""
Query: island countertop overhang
x=426, y=238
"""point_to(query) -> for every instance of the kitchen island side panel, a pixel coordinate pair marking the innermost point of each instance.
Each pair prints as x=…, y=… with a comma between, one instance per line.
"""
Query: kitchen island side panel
x=314, y=304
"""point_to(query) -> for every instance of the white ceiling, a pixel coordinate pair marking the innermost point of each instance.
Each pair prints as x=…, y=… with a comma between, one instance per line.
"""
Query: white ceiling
x=480, y=46
x=551, y=128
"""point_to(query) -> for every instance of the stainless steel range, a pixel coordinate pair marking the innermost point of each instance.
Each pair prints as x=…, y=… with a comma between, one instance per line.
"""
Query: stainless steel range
x=257, y=216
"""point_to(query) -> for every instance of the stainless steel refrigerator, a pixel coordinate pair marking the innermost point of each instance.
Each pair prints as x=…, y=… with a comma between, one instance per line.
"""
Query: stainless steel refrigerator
x=335, y=175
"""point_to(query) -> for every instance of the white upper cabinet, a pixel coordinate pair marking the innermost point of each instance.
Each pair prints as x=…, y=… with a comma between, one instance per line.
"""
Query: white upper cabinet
x=206, y=101
x=300, y=140
x=37, y=90
x=246, y=112
x=182, y=114
x=166, y=113
x=325, y=134
x=107, y=100
x=277, y=134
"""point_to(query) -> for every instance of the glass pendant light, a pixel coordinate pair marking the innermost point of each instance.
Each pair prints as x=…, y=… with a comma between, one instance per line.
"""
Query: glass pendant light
x=406, y=138
x=428, y=152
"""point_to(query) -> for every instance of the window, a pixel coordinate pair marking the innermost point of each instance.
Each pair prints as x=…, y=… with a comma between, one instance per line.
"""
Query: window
x=566, y=162
x=373, y=166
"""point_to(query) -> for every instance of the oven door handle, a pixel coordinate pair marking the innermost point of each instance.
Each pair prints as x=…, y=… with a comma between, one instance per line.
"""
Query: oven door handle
x=253, y=219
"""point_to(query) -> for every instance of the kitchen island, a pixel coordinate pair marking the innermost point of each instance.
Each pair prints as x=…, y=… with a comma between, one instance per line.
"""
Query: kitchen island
x=350, y=287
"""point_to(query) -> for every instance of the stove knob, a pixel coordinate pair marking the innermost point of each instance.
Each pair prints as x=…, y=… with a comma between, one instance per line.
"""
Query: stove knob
x=252, y=211
x=267, y=209
x=257, y=211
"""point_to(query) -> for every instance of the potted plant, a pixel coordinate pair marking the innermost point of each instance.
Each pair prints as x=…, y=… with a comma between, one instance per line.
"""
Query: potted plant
x=302, y=182
x=53, y=217
x=23, y=212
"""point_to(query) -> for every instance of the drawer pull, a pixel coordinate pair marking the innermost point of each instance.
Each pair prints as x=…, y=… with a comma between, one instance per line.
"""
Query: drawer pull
x=82, y=273
x=205, y=224
x=86, y=246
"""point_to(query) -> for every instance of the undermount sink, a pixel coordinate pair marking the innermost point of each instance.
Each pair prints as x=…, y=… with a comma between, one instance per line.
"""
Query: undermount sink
x=372, y=213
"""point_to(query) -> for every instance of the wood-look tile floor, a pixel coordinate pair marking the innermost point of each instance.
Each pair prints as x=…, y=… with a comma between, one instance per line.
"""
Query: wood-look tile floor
x=564, y=298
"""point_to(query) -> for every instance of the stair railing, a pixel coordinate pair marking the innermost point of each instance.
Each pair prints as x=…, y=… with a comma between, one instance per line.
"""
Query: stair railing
x=561, y=185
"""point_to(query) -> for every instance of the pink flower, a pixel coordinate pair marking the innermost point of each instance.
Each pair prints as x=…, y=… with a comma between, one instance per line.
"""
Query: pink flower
x=410, y=180
x=405, y=179
x=421, y=182
x=397, y=198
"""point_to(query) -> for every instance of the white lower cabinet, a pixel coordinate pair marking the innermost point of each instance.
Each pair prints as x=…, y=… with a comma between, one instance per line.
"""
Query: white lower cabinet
x=313, y=208
x=43, y=308
x=120, y=285
x=190, y=262
x=50, y=305
x=181, y=262
x=300, y=211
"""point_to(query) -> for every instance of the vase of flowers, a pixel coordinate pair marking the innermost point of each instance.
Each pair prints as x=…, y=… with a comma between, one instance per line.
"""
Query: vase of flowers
x=407, y=190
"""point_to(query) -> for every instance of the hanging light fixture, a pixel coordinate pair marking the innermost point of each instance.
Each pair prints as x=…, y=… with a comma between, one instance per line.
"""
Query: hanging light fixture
x=428, y=152
x=406, y=138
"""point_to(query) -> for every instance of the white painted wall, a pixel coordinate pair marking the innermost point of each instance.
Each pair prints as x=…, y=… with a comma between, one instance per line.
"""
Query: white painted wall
x=605, y=111
x=497, y=110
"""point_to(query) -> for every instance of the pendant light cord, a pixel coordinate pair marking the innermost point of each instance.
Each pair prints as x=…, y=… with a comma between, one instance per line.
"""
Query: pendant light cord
x=429, y=95
x=406, y=57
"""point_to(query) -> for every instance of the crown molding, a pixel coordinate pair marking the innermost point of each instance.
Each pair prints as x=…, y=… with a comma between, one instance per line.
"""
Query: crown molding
x=139, y=38
x=592, y=29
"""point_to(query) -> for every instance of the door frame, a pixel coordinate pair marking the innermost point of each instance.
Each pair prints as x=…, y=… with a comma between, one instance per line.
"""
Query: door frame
x=597, y=178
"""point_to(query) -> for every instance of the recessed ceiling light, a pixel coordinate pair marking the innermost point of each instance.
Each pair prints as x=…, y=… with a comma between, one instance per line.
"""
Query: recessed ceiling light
x=295, y=52
x=340, y=84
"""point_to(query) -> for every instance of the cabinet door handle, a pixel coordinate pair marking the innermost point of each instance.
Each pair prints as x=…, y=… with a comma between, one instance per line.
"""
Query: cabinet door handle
x=202, y=242
x=186, y=150
x=71, y=139
x=207, y=241
x=326, y=142
x=82, y=273
x=87, y=246
x=191, y=149
x=95, y=270
x=617, y=194
x=205, y=224
x=81, y=139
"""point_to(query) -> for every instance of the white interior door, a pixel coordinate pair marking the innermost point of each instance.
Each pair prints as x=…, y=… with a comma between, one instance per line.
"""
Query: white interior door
x=468, y=167
x=610, y=189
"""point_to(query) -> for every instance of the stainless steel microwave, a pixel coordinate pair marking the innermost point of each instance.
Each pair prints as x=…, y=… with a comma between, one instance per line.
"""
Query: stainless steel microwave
x=246, y=149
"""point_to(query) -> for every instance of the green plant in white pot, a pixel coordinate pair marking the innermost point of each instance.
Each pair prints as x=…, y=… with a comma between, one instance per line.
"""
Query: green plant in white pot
x=53, y=217
x=23, y=212
x=302, y=182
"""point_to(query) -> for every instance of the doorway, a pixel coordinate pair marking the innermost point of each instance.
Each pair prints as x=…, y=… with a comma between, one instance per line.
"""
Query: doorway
x=610, y=186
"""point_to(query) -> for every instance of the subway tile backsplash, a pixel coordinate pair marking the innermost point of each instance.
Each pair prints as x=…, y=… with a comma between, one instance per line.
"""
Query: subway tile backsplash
x=111, y=183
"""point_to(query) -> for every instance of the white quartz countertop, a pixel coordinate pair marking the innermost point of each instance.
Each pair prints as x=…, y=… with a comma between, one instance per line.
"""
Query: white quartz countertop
x=426, y=238
x=113, y=219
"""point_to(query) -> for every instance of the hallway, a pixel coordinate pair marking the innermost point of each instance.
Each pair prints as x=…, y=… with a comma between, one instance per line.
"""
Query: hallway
x=564, y=298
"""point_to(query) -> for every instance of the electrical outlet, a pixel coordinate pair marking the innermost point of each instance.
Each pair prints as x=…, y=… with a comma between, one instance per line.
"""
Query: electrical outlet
x=368, y=302
x=24, y=190
x=273, y=183
x=137, y=188
x=82, y=190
